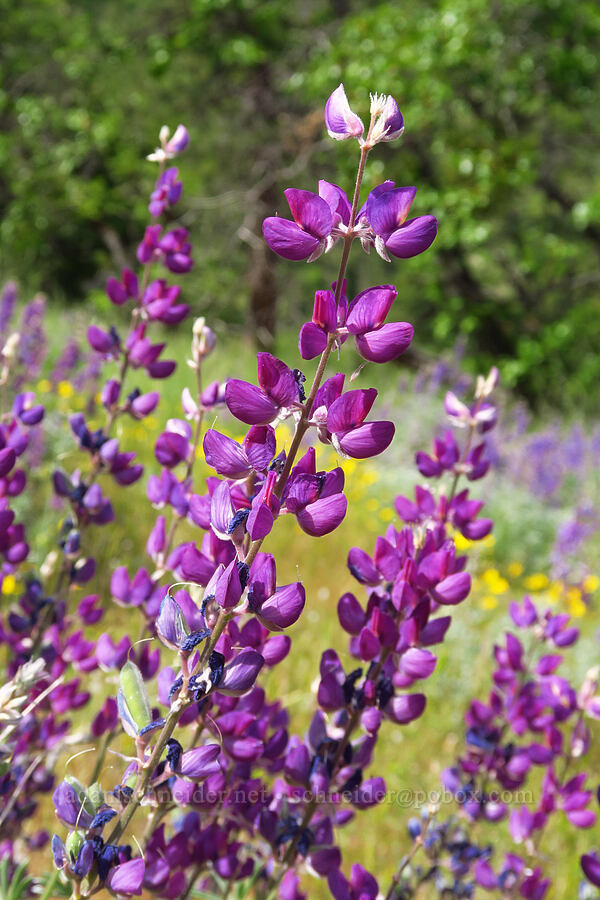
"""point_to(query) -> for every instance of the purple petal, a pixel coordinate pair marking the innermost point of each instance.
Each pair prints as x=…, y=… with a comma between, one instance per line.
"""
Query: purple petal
x=323, y=516
x=260, y=446
x=350, y=409
x=310, y=212
x=405, y=708
x=330, y=695
x=312, y=340
x=200, y=762
x=284, y=607
x=276, y=649
x=337, y=200
x=127, y=878
x=329, y=391
x=260, y=521
x=362, y=567
x=389, y=210
x=225, y=455
x=196, y=567
x=239, y=676
x=453, y=589
x=248, y=403
x=351, y=614
x=228, y=590
x=392, y=119
x=276, y=380
x=590, y=863
x=412, y=238
x=385, y=344
x=287, y=239
x=340, y=121
x=367, y=440
x=370, y=308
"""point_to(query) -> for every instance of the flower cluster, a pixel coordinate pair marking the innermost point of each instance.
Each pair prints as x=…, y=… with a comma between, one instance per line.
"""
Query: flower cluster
x=210, y=790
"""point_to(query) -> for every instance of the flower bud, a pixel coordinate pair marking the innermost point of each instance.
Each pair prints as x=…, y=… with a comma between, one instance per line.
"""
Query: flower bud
x=9, y=351
x=340, y=121
x=203, y=341
x=132, y=699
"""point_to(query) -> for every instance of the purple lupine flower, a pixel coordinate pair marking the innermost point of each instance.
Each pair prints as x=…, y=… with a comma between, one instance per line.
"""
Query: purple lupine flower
x=127, y=878
x=173, y=445
x=159, y=303
x=27, y=410
x=167, y=192
x=306, y=237
x=391, y=121
x=313, y=336
x=72, y=804
x=340, y=121
x=275, y=607
x=199, y=763
x=176, y=249
x=241, y=673
x=315, y=498
x=590, y=864
x=277, y=392
x=351, y=435
x=361, y=886
x=235, y=461
x=387, y=214
x=119, y=292
x=105, y=342
x=170, y=145
x=376, y=341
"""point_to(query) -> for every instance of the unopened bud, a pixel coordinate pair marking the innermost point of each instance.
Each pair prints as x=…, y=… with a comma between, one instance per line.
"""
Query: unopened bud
x=9, y=351
x=203, y=341
x=132, y=700
x=485, y=386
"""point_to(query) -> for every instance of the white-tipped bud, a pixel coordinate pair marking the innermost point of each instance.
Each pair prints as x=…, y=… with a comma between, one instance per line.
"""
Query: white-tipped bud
x=163, y=135
x=485, y=386
x=9, y=351
x=49, y=564
x=203, y=342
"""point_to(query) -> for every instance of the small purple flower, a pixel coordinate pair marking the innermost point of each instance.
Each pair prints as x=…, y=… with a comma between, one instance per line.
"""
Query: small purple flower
x=27, y=410
x=119, y=292
x=376, y=341
x=340, y=121
x=590, y=864
x=176, y=249
x=277, y=392
x=387, y=215
x=240, y=675
x=166, y=193
x=235, y=461
x=170, y=145
x=351, y=435
x=127, y=878
x=307, y=236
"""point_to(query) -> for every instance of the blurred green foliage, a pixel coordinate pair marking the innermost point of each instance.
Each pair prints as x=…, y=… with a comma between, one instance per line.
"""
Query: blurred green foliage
x=500, y=105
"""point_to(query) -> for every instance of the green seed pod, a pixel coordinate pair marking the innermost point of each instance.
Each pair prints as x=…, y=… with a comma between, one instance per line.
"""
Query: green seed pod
x=133, y=692
x=73, y=843
x=96, y=795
